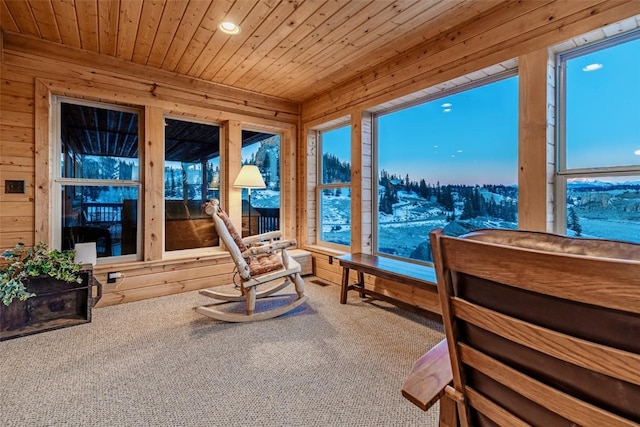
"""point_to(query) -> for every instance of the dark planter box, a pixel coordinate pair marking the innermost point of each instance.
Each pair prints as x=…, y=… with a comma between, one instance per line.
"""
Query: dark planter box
x=57, y=304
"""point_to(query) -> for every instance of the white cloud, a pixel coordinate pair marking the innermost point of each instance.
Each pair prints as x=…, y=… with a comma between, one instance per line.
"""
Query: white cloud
x=592, y=67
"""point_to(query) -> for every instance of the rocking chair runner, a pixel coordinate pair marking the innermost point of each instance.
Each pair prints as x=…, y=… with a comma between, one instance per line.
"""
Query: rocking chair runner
x=258, y=263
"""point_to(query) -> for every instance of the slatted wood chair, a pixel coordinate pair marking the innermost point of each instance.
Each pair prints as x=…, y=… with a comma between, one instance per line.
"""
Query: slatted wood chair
x=261, y=261
x=541, y=330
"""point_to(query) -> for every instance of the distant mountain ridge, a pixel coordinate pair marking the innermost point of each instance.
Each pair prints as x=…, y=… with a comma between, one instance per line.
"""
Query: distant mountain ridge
x=599, y=185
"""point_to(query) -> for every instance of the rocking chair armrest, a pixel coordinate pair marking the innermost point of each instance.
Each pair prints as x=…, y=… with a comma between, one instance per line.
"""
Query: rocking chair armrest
x=262, y=237
x=429, y=377
x=268, y=248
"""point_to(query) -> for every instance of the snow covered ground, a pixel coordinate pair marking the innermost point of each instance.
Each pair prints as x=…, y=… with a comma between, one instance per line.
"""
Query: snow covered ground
x=265, y=198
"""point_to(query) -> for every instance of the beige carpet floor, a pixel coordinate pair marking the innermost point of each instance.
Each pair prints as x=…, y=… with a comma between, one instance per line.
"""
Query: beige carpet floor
x=158, y=363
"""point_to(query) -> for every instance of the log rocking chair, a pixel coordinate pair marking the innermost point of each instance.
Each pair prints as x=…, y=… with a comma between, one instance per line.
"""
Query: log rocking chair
x=260, y=260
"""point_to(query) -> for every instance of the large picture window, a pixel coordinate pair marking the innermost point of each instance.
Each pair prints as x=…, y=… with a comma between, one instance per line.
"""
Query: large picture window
x=97, y=185
x=191, y=177
x=450, y=162
x=598, y=180
x=334, y=186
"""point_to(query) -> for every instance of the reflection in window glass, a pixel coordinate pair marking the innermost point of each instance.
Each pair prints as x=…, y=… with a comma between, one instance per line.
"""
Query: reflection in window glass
x=602, y=126
x=191, y=177
x=335, y=197
x=450, y=162
x=106, y=215
x=608, y=207
x=263, y=213
x=99, y=143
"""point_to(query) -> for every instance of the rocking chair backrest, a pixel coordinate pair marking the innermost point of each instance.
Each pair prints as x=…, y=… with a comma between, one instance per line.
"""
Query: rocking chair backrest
x=230, y=237
x=542, y=329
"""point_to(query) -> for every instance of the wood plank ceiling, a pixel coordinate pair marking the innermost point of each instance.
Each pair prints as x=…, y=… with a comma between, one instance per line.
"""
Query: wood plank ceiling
x=293, y=49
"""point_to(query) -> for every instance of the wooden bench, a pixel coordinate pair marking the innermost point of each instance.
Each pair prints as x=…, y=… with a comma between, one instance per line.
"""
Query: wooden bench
x=421, y=278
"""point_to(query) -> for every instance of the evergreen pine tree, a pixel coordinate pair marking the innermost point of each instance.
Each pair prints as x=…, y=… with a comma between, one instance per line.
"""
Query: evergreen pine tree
x=574, y=222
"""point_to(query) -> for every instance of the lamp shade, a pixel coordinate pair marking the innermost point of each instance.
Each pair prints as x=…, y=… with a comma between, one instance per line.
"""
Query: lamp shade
x=249, y=177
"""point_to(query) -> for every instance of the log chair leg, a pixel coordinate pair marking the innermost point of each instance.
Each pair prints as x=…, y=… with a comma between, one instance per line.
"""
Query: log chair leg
x=250, y=304
x=299, y=284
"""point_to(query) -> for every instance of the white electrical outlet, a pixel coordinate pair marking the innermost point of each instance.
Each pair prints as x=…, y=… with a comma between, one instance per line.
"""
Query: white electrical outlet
x=112, y=276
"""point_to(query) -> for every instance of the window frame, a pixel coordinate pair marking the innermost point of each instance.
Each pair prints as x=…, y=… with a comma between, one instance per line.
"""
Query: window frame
x=185, y=253
x=280, y=134
x=563, y=174
x=57, y=181
x=321, y=186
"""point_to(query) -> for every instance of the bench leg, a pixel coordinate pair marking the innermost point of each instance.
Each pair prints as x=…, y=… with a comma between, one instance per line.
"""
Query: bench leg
x=345, y=285
x=361, y=282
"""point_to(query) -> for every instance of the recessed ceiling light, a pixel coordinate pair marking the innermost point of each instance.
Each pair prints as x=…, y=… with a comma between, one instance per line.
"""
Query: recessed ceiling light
x=229, y=27
x=592, y=67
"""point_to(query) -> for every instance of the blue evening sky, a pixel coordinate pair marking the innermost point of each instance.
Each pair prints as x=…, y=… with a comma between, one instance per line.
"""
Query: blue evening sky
x=603, y=107
x=476, y=140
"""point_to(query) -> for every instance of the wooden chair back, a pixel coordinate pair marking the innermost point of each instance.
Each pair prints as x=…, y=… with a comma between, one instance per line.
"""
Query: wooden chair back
x=248, y=265
x=542, y=329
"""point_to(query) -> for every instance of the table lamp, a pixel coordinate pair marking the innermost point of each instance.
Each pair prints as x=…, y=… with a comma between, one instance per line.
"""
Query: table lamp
x=249, y=178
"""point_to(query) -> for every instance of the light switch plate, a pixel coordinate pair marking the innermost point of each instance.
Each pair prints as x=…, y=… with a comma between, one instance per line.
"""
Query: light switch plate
x=13, y=186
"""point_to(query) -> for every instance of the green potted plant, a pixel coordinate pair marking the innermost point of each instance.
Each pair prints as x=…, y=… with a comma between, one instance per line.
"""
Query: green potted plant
x=42, y=289
x=27, y=262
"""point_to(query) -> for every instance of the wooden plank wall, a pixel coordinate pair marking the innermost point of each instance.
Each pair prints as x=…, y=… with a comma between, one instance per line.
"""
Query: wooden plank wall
x=524, y=30
x=32, y=71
